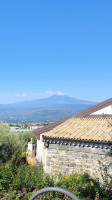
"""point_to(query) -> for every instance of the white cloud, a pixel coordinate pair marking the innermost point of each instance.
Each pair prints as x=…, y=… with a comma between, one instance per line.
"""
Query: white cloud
x=20, y=95
x=60, y=93
x=55, y=93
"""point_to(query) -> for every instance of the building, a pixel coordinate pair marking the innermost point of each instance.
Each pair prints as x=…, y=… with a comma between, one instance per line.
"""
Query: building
x=81, y=143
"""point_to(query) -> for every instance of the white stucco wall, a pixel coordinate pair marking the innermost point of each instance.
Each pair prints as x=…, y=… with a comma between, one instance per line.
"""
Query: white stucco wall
x=39, y=154
x=45, y=160
x=31, y=149
x=105, y=111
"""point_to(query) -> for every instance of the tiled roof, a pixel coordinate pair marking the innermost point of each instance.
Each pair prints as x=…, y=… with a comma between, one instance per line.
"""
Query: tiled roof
x=84, y=129
x=48, y=127
x=83, y=114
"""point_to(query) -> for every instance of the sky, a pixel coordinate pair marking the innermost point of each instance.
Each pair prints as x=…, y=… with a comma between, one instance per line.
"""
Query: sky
x=52, y=47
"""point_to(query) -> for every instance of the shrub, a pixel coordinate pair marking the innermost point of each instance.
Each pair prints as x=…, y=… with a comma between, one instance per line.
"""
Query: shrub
x=22, y=181
x=82, y=185
x=23, y=178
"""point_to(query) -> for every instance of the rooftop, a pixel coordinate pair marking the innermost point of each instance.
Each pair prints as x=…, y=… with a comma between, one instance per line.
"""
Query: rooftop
x=84, y=129
x=84, y=114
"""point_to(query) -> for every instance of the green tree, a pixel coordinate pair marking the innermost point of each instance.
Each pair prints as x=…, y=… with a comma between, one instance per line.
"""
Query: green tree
x=25, y=125
x=10, y=145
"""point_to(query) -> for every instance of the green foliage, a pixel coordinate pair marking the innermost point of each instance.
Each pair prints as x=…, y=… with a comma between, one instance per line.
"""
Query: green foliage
x=107, y=180
x=13, y=144
x=9, y=144
x=82, y=185
x=25, y=137
x=25, y=125
x=22, y=181
x=23, y=178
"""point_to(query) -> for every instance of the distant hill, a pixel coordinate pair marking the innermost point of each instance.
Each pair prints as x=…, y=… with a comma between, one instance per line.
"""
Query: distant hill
x=52, y=101
x=47, y=109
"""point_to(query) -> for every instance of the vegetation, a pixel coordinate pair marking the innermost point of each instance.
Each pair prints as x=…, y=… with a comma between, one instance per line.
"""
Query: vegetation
x=18, y=180
x=22, y=181
x=12, y=145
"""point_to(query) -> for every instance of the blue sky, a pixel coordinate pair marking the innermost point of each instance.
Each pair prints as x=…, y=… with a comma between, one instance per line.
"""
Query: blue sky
x=55, y=47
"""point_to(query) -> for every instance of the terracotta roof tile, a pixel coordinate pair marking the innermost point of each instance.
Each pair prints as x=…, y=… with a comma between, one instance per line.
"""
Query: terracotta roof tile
x=83, y=114
x=95, y=129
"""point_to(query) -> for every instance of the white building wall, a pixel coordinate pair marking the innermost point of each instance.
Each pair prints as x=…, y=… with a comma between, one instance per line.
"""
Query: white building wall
x=39, y=154
x=31, y=149
x=45, y=160
x=105, y=111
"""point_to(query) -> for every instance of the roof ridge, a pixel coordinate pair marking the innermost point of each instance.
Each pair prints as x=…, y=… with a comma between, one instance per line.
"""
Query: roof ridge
x=94, y=108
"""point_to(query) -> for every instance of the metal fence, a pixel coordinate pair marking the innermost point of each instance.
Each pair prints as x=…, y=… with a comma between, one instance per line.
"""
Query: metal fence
x=54, y=189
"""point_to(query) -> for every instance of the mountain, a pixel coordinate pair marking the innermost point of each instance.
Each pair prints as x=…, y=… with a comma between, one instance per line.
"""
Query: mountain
x=63, y=99
x=47, y=109
x=53, y=101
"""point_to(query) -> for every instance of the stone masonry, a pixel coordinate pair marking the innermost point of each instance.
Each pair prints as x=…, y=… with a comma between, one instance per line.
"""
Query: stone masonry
x=68, y=159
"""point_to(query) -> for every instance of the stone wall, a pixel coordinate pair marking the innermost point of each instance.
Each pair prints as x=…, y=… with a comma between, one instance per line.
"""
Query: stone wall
x=68, y=159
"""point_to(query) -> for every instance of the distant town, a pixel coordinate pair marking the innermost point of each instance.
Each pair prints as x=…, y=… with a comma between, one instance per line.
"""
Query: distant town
x=26, y=126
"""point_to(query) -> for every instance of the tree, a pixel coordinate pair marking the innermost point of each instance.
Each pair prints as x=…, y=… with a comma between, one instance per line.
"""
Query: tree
x=9, y=144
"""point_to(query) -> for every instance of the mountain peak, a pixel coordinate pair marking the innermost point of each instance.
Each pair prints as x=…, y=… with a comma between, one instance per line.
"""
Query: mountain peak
x=48, y=109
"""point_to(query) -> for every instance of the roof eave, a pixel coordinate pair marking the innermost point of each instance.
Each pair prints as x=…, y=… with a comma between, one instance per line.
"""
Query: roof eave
x=77, y=140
